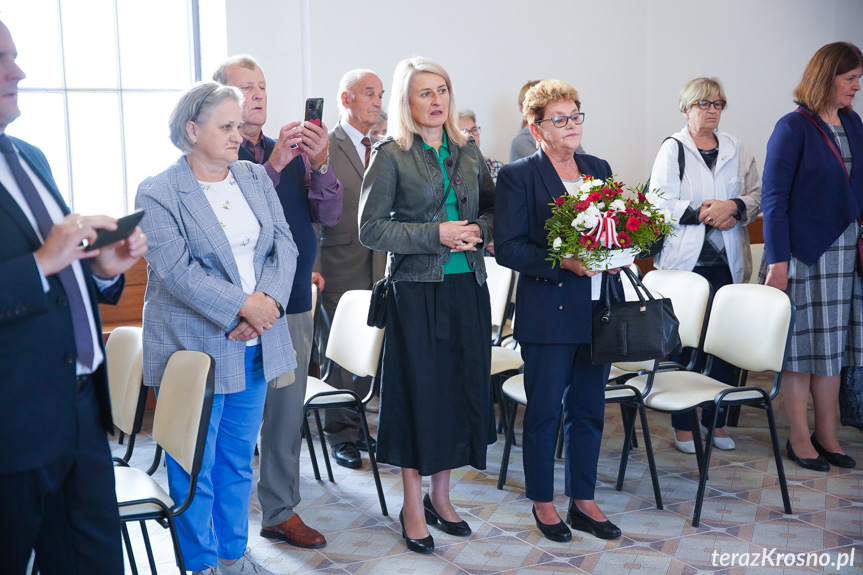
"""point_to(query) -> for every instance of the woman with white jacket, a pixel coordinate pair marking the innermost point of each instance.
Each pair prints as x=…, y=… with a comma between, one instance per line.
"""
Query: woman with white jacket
x=718, y=193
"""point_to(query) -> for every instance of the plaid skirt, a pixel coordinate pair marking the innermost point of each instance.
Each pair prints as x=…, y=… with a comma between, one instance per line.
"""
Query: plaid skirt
x=828, y=323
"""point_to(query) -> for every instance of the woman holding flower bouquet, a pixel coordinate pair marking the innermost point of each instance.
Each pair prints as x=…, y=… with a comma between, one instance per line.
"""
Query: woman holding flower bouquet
x=711, y=203
x=553, y=307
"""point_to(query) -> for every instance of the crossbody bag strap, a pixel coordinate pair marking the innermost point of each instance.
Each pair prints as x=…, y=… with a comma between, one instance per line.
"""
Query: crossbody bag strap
x=827, y=140
x=440, y=206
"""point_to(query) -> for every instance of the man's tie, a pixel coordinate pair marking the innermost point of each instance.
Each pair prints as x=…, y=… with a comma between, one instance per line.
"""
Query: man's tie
x=80, y=320
x=368, y=144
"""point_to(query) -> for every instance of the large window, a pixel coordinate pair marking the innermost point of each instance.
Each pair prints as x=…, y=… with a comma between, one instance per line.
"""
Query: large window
x=102, y=78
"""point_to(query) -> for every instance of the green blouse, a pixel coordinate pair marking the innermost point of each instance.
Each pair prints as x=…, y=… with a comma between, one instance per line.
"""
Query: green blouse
x=457, y=263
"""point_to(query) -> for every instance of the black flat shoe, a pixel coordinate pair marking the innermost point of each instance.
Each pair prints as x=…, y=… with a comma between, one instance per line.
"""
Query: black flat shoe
x=424, y=545
x=558, y=532
x=347, y=455
x=457, y=528
x=361, y=443
x=581, y=522
x=837, y=459
x=817, y=464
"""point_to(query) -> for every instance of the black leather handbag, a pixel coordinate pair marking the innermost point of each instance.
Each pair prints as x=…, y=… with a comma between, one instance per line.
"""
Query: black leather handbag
x=633, y=330
x=381, y=290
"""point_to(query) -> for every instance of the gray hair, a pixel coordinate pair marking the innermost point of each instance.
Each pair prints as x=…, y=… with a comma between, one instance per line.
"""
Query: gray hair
x=402, y=125
x=194, y=105
x=467, y=113
x=241, y=60
x=347, y=83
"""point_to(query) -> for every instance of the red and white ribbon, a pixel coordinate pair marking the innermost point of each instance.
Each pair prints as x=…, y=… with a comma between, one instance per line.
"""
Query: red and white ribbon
x=605, y=231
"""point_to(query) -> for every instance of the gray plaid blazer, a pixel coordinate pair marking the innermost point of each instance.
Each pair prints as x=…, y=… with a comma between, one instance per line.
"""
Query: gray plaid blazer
x=193, y=283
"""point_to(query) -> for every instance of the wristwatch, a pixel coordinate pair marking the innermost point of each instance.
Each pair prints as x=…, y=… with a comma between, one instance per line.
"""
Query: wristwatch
x=325, y=167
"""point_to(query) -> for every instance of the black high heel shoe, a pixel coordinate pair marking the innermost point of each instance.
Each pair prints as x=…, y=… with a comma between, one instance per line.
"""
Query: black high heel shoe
x=582, y=522
x=424, y=545
x=457, y=528
x=817, y=464
x=837, y=459
x=556, y=532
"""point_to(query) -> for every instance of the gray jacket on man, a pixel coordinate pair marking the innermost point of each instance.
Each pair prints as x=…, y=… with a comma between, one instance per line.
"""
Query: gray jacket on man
x=401, y=206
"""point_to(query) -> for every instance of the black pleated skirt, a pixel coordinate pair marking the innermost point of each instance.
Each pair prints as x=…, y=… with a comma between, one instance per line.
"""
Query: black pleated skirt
x=436, y=410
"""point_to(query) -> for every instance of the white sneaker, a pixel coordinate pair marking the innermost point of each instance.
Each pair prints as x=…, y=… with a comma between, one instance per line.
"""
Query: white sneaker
x=723, y=443
x=244, y=565
x=684, y=446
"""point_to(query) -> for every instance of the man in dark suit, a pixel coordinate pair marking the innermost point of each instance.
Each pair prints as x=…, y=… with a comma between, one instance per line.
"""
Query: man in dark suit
x=345, y=262
x=56, y=477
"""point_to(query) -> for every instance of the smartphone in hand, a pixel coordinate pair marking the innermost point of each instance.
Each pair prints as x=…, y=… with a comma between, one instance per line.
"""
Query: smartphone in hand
x=125, y=227
x=314, y=110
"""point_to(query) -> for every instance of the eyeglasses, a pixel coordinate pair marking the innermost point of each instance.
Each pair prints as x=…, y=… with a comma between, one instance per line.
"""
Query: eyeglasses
x=561, y=121
x=475, y=131
x=705, y=104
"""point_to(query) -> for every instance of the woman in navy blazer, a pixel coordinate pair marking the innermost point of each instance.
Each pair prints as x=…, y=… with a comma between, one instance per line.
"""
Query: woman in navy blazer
x=812, y=195
x=553, y=307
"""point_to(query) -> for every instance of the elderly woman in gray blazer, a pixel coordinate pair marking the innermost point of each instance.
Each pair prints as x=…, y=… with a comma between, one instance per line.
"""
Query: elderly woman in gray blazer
x=221, y=264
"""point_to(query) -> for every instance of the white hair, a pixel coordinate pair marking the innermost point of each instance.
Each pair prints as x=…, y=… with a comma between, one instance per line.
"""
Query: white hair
x=347, y=83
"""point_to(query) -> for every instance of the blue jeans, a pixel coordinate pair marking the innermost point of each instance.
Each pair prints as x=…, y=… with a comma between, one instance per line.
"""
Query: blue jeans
x=217, y=523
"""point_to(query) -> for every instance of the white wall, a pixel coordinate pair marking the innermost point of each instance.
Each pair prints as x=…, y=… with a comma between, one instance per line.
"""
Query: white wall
x=627, y=59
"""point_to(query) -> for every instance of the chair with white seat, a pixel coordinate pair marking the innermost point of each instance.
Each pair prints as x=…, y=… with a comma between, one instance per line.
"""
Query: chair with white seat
x=124, y=358
x=180, y=428
x=356, y=347
x=500, y=287
x=749, y=327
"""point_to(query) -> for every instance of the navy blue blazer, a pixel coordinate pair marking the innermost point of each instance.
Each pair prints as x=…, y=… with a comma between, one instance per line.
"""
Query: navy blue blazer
x=37, y=344
x=806, y=197
x=552, y=304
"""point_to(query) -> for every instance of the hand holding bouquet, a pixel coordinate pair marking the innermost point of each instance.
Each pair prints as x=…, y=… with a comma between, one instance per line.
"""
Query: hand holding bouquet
x=602, y=220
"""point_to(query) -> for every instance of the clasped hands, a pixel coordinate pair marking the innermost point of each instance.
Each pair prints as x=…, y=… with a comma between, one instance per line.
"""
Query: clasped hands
x=460, y=236
x=258, y=314
x=718, y=214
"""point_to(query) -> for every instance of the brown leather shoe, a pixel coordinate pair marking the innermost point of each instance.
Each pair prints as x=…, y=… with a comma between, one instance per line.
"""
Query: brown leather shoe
x=295, y=532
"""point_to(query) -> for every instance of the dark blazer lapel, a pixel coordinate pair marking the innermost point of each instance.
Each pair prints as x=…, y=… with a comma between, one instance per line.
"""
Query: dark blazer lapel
x=855, y=142
x=553, y=186
x=346, y=146
x=192, y=196
x=16, y=214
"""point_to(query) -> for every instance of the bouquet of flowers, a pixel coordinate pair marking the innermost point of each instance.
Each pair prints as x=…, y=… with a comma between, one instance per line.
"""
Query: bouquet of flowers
x=602, y=222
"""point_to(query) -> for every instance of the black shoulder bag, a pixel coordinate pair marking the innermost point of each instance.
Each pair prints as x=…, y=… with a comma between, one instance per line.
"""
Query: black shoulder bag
x=656, y=246
x=633, y=330
x=381, y=290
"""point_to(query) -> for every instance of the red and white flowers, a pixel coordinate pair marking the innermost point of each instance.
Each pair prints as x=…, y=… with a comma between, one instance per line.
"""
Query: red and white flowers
x=601, y=219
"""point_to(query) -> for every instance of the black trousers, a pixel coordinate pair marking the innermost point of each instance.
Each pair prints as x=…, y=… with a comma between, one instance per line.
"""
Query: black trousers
x=67, y=510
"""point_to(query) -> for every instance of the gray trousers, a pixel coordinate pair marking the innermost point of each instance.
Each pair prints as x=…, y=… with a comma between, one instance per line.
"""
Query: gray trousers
x=341, y=425
x=279, y=483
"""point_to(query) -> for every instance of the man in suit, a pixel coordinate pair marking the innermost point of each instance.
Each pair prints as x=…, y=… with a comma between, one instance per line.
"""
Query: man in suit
x=297, y=163
x=345, y=262
x=56, y=476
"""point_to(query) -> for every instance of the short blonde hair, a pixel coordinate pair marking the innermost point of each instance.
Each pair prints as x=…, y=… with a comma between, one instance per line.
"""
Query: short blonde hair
x=816, y=86
x=543, y=94
x=699, y=89
x=401, y=125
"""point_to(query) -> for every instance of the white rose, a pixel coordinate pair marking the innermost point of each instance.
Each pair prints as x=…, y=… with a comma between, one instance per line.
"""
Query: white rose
x=557, y=243
x=618, y=205
x=652, y=197
x=600, y=205
x=588, y=185
x=590, y=219
x=666, y=215
x=575, y=223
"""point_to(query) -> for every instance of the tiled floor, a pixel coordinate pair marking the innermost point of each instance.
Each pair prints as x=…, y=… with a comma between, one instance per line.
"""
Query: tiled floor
x=742, y=514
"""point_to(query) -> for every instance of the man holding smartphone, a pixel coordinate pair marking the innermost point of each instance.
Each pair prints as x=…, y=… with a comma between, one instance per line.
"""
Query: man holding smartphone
x=56, y=474
x=345, y=262
x=297, y=163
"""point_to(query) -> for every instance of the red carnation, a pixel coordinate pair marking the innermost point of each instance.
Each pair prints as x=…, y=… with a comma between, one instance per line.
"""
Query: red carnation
x=593, y=197
x=559, y=201
x=642, y=198
x=633, y=224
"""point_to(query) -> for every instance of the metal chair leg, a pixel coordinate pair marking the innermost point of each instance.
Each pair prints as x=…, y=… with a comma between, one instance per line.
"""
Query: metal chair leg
x=777, y=455
x=324, y=445
x=127, y=540
x=648, y=448
x=149, y=548
x=507, y=446
x=372, y=460
x=629, y=431
x=311, y=445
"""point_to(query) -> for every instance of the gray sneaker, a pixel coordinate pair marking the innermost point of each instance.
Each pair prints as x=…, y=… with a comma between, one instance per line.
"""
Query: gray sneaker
x=243, y=566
